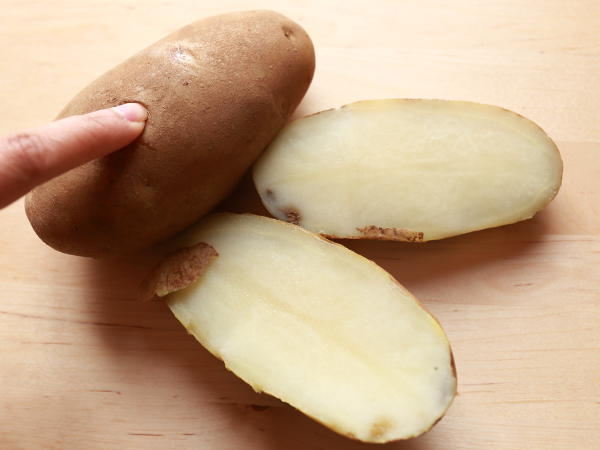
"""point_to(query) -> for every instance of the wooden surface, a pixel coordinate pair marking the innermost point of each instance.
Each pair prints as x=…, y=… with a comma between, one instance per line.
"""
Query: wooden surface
x=83, y=364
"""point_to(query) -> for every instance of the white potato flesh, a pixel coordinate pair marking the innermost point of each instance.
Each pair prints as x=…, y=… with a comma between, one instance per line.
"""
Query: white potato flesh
x=412, y=170
x=318, y=326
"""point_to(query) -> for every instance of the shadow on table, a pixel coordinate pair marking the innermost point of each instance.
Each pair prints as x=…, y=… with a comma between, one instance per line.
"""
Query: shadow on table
x=439, y=262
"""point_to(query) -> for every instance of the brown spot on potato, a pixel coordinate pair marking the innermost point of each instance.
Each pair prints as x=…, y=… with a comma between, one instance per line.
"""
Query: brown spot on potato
x=270, y=194
x=259, y=408
x=379, y=428
x=434, y=423
x=292, y=216
x=453, y=364
x=180, y=269
x=390, y=234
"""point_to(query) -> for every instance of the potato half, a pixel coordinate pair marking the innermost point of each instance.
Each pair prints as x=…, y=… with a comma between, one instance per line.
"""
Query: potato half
x=312, y=323
x=408, y=170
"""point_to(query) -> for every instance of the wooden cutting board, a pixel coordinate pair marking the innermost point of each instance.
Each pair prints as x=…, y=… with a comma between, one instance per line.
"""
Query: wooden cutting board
x=85, y=365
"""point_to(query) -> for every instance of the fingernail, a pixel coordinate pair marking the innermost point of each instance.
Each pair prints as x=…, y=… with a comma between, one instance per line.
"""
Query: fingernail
x=134, y=112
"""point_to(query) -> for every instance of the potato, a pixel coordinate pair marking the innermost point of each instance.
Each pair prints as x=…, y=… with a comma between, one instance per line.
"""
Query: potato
x=408, y=170
x=312, y=323
x=217, y=92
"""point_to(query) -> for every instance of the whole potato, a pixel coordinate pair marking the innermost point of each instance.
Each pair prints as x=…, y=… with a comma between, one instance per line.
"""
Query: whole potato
x=217, y=92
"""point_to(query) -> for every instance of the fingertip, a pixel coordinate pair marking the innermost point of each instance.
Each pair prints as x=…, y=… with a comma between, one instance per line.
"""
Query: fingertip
x=137, y=127
x=133, y=112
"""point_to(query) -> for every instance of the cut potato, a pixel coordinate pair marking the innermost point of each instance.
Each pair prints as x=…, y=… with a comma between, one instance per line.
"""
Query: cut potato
x=408, y=170
x=312, y=323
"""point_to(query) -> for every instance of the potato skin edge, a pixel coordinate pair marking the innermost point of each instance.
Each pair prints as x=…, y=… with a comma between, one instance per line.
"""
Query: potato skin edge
x=179, y=270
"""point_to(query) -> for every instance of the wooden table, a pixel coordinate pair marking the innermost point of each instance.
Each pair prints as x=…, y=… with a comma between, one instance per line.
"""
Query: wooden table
x=84, y=365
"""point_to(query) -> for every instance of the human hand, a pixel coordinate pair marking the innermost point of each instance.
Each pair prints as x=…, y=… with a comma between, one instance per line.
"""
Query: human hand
x=34, y=156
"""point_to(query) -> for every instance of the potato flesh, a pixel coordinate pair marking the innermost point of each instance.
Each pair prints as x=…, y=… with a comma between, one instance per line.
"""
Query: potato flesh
x=319, y=327
x=434, y=167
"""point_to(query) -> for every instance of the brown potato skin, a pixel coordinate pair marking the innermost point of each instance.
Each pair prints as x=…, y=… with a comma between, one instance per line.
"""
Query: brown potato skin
x=217, y=92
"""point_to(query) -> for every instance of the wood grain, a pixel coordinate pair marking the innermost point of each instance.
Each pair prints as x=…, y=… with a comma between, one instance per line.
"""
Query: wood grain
x=83, y=364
